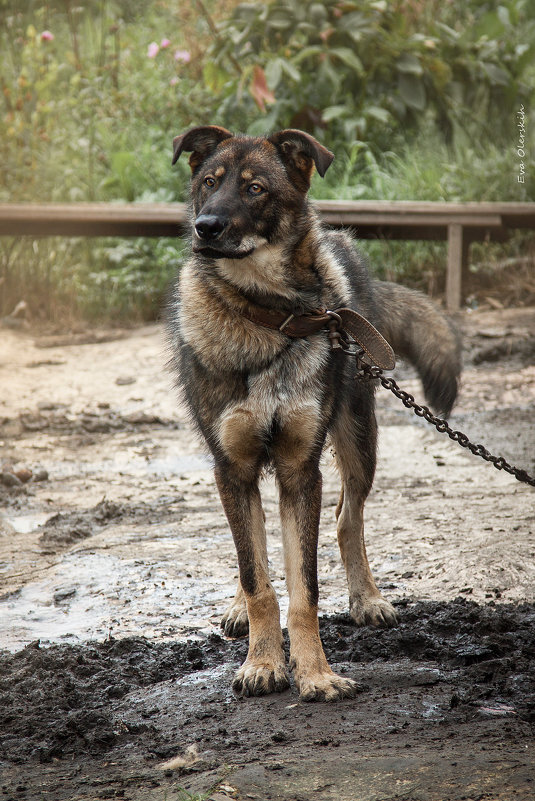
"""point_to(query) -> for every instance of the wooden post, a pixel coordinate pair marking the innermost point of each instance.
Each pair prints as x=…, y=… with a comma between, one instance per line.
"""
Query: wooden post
x=457, y=260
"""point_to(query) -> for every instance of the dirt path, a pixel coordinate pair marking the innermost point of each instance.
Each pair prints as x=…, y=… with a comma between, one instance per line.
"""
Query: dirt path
x=122, y=544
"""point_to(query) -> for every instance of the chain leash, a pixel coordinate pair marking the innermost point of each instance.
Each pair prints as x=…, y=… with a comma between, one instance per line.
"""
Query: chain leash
x=368, y=372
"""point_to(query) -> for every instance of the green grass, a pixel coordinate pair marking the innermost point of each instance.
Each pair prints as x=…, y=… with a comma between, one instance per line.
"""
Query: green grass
x=66, y=281
x=88, y=115
x=428, y=169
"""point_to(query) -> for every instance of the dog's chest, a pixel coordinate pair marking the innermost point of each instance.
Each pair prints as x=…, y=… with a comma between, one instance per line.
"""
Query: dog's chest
x=284, y=403
x=225, y=341
x=294, y=377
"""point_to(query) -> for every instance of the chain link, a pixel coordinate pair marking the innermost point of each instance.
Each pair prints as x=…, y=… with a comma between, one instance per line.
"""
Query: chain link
x=368, y=372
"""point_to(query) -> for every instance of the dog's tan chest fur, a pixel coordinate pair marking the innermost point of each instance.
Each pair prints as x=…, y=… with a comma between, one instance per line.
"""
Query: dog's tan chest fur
x=262, y=270
x=284, y=390
x=290, y=401
x=221, y=337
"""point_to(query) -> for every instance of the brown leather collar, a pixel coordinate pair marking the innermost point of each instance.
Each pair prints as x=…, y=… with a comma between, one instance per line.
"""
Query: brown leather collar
x=293, y=325
x=344, y=321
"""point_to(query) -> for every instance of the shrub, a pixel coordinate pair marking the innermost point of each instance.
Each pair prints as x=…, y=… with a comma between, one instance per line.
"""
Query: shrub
x=368, y=69
x=404, y=92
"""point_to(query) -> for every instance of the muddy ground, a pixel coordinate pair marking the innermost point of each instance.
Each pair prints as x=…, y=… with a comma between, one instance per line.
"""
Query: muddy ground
x=116, y=564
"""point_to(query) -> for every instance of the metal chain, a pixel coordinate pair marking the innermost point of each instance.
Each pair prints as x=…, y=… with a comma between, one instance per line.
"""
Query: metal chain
x=368, y=372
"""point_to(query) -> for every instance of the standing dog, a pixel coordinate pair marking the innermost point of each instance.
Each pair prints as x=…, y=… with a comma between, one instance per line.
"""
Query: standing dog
x=265, y=387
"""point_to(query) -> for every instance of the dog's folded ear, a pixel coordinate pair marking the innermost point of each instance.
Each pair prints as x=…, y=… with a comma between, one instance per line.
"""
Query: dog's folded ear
x=301, y=152
x=200, y=142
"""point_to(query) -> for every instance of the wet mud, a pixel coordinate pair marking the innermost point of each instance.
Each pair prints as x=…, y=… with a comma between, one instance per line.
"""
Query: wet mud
x=116, y=565
x=454, y=672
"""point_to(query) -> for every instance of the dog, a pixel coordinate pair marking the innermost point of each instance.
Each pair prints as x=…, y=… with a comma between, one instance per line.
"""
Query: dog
x=267, y=389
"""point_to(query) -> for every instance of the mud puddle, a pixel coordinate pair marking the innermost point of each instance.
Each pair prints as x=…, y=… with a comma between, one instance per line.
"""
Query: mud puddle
x=159, y=717
x=115, y=555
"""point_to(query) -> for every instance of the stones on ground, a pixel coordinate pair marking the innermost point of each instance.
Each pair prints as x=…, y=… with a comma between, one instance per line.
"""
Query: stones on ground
x=125, y=380
x=9, y=479
x=15, y=477
x=64, y=595
x=140, y=418
x=182, y=761
x=49, y=416
x=24, y=474
x=280, y=737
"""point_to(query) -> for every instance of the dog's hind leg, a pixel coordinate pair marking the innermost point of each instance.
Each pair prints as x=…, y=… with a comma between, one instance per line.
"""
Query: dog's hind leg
x=235, y=622
x=354, y=438
x=299, y=481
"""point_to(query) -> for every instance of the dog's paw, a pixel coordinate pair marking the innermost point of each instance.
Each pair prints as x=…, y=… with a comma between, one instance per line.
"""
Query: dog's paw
x=327, y=686
x=373, y=612
x=260, y=679
x=235, y=622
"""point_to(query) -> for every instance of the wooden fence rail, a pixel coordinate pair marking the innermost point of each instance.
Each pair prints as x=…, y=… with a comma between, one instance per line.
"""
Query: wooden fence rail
x=458, y=223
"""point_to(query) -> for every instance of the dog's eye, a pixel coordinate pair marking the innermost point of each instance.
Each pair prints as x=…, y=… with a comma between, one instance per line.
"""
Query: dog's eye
x=255, y=189
x=209, y=181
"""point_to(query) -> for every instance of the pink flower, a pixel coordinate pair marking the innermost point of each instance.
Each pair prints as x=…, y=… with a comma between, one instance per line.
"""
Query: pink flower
x=173, y=81
x=165, y=43
x=47, y=36
x=183, y=55
x=153, y=50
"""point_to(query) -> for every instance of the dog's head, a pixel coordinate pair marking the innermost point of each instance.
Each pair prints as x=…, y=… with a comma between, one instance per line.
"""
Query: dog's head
x=247, y=191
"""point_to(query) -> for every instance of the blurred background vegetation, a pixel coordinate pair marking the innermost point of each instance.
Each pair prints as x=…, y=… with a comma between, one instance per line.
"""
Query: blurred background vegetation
x=418, y=99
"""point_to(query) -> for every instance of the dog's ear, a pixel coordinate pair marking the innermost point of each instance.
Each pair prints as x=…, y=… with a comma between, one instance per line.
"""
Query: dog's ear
x=200, y=142
x=301, y=152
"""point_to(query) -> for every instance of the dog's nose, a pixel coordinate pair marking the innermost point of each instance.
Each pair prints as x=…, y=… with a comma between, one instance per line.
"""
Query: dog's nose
x=209, y=226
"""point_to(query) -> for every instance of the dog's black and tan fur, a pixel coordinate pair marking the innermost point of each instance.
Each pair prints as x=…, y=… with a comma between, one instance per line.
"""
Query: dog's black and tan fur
x=261, y=398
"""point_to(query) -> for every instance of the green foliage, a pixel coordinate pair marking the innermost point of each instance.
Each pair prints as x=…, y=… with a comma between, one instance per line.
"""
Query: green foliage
x=185, y=796
x=428, y=169
x=470, y=169
x=131, y=277
x=67, y=279
x=363, y=71
x=417, y=100
x=88, y=114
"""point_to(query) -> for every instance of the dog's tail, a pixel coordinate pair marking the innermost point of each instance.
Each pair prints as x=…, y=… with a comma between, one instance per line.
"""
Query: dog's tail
x=418, y=331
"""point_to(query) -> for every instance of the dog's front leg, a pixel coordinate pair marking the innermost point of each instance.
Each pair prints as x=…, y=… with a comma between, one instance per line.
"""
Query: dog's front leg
x=264, y=669
x=300, y=503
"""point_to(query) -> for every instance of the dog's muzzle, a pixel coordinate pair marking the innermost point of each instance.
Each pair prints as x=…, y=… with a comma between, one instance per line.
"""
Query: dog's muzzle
x=213, y=238
x=209, y=227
